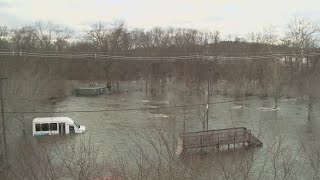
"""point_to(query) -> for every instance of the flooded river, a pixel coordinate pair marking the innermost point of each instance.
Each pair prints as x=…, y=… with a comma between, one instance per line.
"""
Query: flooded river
x=119, y=116
x=112, y=120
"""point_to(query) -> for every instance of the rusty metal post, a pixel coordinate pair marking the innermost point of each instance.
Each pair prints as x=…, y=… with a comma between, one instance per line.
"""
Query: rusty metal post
x=250, y=137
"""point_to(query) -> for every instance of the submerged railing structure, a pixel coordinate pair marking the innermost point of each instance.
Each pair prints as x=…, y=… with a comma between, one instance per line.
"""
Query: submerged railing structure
x=220, y=139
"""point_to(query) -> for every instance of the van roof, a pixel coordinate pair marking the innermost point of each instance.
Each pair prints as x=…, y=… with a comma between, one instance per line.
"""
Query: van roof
x=53, y=119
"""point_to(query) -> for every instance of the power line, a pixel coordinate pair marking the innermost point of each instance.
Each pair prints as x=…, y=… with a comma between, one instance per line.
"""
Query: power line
x=148, y=53
x=115, y=110
x=154, y=58
x=17, y=52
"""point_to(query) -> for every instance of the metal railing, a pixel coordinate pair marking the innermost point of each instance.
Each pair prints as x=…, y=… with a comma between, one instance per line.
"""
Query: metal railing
x=218, y=137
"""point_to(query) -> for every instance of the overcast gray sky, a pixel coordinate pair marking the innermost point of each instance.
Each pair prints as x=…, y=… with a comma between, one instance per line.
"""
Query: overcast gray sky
x=227, y=16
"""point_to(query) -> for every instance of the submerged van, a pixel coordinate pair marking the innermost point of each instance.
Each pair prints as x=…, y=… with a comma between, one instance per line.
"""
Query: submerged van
x=55, y=125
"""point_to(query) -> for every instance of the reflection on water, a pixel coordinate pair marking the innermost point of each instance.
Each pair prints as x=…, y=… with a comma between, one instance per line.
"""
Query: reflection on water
x=59, y=139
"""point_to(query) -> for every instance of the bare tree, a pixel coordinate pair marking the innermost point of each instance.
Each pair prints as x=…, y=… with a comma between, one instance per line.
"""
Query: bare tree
x=202, y=114
x=284, y=159
x=303, y=35
x=309, y=90
x=50, y=36
x=4, y=37
x=77, y=159
x=276, y=82
x=45, y=36
x=24, y=38
x=240, y=79
x=99, y=36
x=269, y=36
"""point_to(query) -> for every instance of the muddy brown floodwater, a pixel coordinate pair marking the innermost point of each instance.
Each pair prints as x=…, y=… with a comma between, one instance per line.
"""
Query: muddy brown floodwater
x=113, y=128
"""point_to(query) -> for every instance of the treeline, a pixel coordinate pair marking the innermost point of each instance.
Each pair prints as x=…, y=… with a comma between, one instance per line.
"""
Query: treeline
x=106, y=38
x=118, y=39
x=261, y=61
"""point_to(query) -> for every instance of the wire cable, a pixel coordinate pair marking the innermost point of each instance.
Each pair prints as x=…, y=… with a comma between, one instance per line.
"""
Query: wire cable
x=114, y=110
x=155, y=58
x=151, y=53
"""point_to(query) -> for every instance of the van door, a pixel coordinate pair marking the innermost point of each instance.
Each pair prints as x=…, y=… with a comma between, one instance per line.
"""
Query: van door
x=62, y=128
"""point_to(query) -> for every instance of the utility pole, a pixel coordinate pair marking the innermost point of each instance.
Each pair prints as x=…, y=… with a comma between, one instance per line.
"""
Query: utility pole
x=3, y=122
x=208, y=98
x=184, y=97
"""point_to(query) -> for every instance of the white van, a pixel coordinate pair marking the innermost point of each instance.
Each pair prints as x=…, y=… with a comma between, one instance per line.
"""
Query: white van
x=55, y=125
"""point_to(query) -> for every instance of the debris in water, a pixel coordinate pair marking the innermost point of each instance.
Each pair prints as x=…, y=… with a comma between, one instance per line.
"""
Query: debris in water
x=237, y=107
x=268, y=109
x=160, y=116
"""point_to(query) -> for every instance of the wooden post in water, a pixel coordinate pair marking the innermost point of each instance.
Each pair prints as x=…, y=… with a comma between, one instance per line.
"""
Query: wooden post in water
x=250, y=137
x=212, y=141
x=218, y=142
x=201, y=143
x=228, y=141
x=234, y=139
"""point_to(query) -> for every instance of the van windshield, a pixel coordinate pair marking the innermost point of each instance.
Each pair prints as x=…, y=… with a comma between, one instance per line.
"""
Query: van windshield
x=76, y=125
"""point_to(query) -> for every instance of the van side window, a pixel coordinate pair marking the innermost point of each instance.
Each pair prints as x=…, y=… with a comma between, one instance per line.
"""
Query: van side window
x=53, y=126
x=71, y=129
x=45, y=127
x=38, y=128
